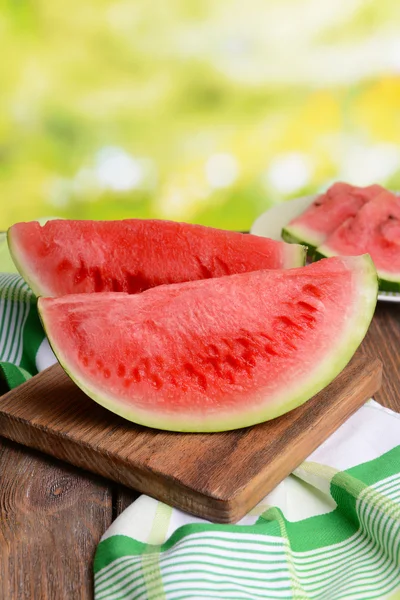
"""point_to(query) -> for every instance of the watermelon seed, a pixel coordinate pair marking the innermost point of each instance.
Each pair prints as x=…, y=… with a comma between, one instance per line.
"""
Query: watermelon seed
x=156, y=381
x=85, y=361
x=137, y=282
x=225, y=269
x=286, y=337
x=81, y=273
x=192, y=372
x=312, y=289
x=248, y=356
x=243, y=342
x=310, y=320
x=215, y=363
x=202, y=381
x=213, y=350
x=287, y=322
x=65, y=265
x=99, y=363
x=98, y=279
x=116, y=285
x=173, y=381
x=229, y=343
x=205, y=271
x=146, y=366
x=270, y=350
x=307, y=306
x=230, y=377
x=106, y=373
x=232, y=361
x=136, y=375
x=266, y=337
x=121, y=370
x=159, y=361
x=289, y=343
x=150, y=324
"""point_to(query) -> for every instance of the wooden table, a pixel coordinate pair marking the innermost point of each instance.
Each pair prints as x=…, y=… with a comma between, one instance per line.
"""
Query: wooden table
x=53, y=515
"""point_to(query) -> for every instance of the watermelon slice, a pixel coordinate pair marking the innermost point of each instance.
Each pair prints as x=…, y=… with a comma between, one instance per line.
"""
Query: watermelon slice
x=374, y=229
x=327, y=212
x=215, y=354
x=66, y=257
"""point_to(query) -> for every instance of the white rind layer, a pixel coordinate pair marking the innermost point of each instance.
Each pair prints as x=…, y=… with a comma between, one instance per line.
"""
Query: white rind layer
x=294, y=256
x=22, y=263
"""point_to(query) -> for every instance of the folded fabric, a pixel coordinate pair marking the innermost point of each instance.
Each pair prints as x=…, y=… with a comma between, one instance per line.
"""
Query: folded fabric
x=24, y=349
x=330, y=531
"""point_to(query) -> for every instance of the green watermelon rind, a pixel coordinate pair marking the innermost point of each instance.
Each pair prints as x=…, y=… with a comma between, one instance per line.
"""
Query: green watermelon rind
x=387, y=285
x=298, y=235
x=13, y=251
x=384, y=283
x=364, y=302
x=287, y=236
x=23, y=272
x=294, y=237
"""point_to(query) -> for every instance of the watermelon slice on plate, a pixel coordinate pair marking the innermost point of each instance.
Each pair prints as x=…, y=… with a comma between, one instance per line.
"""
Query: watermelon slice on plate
x=215, y=354
x=327, y=212
x=67, y=257
x=374, y=229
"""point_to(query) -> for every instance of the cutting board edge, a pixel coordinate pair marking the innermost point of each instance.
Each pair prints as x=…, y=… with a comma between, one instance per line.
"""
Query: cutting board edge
x=20, y=432
x=264, y=487
x=212, y=507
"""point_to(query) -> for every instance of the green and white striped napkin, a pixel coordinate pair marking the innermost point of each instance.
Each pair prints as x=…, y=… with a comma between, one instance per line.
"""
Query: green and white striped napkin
x=24, y=350
x=330, y=531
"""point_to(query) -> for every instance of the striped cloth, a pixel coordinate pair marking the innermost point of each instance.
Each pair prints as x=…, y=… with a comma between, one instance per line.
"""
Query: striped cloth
x=24, y=349
x=330, y=531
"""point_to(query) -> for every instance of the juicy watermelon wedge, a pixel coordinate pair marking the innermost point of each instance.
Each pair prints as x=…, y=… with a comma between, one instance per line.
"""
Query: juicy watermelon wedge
x=69, y=257
x=216, y=354
x=374, y=229
x=327, y=212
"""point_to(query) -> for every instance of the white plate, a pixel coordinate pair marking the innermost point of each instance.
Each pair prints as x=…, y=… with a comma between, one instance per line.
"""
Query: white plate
x=271, y=222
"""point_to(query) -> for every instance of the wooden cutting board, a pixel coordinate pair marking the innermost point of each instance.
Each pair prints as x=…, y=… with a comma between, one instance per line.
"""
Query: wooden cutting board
x=217, y=476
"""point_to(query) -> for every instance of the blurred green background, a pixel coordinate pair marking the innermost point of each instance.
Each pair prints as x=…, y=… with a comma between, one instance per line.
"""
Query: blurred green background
x=197, y=110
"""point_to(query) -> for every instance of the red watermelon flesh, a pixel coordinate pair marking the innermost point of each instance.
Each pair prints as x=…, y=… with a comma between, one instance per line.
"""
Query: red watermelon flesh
x=327, y=212
x=66, y=257
x=215, y=354
x=374, y=229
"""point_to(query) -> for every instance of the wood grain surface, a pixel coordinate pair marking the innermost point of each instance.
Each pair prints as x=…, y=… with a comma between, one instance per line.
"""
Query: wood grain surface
x=218, y=476
x=51, y=518
x=383, y=341
x=72, y=579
